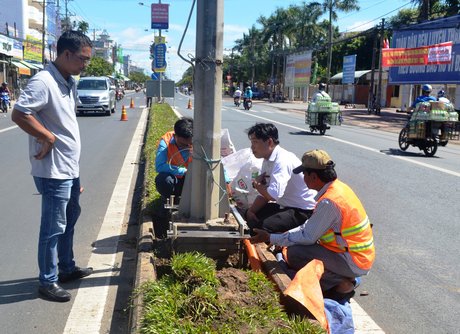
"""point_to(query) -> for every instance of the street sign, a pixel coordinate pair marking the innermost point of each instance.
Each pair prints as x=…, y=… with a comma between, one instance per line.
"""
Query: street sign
x=159, y=57
x=160, y=13
x=160, y=39
x=349, y=65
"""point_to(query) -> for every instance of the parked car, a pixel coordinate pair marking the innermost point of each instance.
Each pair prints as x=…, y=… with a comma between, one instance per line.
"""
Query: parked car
x=95, y=95
x=257, y=94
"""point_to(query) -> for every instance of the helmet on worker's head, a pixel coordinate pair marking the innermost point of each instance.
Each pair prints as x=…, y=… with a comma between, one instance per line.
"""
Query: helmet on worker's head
x=5, y=84
x=441, y=93
x=322, y=86
x=248, y=88
x=427, y=88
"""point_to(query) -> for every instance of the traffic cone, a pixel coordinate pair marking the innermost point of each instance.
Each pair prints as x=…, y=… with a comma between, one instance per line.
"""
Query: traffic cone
x=124, y=116
x=189, y=105
x=131, y=105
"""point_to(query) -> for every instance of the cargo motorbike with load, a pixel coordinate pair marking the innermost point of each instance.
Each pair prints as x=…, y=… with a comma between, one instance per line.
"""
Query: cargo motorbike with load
x=321, y=114
x=432, y=124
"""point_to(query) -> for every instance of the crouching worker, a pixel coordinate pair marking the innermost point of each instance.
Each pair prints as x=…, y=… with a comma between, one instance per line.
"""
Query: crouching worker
x=174, y=154
x=338, y=233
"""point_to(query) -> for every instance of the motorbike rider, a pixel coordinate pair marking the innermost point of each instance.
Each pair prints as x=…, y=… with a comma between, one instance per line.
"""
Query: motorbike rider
x=442, y=96
x=247, y=95
x=425, y=97
x=321, y=93
x=4, y=89
x=237, y=95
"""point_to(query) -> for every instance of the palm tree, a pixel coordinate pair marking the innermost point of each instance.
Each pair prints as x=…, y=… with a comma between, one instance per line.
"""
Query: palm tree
x=332, y=7
x=307, y=32
x=83, y=27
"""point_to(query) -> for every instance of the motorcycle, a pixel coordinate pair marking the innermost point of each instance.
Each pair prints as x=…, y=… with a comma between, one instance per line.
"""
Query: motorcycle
x=4, y=101
x=431, y=125
x=119, y=94
x=237, y=101
x=247, y=104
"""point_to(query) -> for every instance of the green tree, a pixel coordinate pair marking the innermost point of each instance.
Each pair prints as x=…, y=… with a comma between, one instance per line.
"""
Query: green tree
x=83, y=27
x=306, y=32
x=138, y=77
x=404, y=17
x=99, y=66
x=187, y=78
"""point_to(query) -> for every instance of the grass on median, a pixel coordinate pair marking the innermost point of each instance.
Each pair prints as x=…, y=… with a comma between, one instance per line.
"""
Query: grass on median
x=194, y=298
x=189, y=299
x=161, y=120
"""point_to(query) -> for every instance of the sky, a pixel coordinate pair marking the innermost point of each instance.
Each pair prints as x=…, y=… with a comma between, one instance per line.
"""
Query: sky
x=128, y=23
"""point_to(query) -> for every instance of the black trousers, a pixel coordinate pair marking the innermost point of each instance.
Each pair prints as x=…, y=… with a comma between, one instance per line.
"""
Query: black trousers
x=275, y=219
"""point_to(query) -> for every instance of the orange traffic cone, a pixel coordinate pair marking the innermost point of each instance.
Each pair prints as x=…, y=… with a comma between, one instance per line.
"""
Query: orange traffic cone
x=189, y=105
x=124, y=116
x=131, y=105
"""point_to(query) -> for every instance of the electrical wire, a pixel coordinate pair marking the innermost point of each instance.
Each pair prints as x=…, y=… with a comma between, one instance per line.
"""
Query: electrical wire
x=182, y=39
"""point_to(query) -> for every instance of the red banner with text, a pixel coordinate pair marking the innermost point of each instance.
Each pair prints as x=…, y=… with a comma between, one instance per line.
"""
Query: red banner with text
x=425, y=55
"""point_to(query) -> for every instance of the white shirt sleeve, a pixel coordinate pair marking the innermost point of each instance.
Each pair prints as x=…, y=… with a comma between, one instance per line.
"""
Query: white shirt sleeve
x=326, y=215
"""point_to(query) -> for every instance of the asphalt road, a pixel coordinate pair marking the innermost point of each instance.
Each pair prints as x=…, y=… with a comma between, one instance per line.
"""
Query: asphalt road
x=105, y=141
x=412, y=202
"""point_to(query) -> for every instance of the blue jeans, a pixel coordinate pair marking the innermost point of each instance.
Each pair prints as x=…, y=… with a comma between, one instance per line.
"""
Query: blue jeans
x=60, y=211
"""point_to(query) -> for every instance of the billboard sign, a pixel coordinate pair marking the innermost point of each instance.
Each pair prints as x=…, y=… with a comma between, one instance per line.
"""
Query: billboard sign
x=424, y=55
x=349, y=66
x=298, y=69
x=160, y=16
x=426, y=35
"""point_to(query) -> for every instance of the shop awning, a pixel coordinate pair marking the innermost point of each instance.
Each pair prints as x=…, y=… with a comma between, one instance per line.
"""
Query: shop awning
x=23, y=69
x=358, y=74
x=30, y=65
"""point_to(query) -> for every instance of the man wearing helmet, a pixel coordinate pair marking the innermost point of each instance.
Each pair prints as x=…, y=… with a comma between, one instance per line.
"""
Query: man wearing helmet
x=425, y=97
x=321, y=93
x=4, y=88
x=442, y=96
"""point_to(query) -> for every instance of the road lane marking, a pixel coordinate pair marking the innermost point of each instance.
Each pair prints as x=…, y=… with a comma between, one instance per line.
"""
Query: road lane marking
x=89, y=304
x=423, y=164
x=10, y=128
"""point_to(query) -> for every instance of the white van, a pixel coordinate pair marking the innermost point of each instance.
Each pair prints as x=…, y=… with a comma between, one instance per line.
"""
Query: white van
x=95, y=95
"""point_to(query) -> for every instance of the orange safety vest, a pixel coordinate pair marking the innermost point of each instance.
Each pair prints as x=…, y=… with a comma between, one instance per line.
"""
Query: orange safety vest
x=174, y=156
x=354, y=235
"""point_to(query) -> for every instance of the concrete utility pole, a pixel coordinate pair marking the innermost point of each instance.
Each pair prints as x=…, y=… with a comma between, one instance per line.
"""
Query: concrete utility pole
x=201, y=198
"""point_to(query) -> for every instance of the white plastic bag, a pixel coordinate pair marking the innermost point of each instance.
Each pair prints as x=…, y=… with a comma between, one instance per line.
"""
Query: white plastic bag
x=226, y=144
x=239, y=167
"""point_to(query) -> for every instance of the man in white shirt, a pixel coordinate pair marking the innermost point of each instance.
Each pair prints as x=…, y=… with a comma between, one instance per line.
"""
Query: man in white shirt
x=321, y=93
x=284, y=201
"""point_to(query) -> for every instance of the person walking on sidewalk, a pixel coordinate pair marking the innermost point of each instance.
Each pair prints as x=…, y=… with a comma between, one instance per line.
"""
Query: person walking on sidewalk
x=284, y=201
x=46, y=111
x=338, y=233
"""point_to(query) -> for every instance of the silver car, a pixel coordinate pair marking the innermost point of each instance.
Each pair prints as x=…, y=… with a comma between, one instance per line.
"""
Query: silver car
x=95, y=95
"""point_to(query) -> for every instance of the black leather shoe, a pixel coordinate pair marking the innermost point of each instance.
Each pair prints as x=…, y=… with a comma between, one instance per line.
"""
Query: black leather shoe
x=77, y=273
x=54, y=292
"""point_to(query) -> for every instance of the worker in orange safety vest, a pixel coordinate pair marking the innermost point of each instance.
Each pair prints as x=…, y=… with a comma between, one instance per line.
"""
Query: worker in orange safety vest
x=338, y=233
x=173, y=157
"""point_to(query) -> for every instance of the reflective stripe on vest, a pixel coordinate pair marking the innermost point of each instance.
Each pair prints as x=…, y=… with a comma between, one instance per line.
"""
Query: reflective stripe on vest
x=354, y=235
